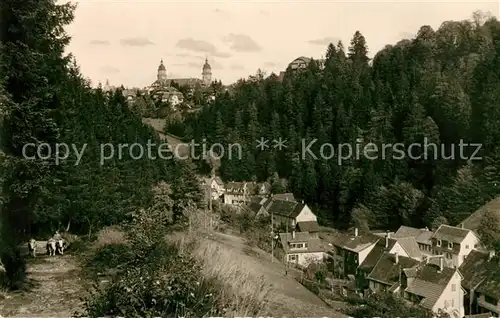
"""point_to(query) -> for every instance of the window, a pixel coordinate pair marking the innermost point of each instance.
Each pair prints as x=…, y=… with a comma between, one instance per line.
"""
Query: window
x=453, y=287
x=292, y=258
x=453, y=303
x=467, y=246
x=305, y=245
x=450, y=245
x=438, y=242
x=475, y=245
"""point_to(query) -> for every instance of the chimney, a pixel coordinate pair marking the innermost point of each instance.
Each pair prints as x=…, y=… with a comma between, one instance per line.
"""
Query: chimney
x=441, y=264
x=387, y=239
x=356, y=232
x=491, y=254
x=293, y=234
x=396, y=256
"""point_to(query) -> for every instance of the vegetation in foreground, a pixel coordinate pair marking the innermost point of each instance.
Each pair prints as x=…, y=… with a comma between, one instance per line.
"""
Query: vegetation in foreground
x=158, y=275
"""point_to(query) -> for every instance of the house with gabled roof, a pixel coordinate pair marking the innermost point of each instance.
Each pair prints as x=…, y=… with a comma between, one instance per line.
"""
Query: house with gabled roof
x=481, y=272
x=454, y=243
x=348, y=251
x=386, y=274
x=302, y=248
x=406, y=247
x=421, y=236
x=436, y=288
x=237, y=193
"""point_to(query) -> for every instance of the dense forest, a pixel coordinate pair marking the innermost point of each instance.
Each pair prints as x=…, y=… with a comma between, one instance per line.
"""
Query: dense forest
x=45, y=99
x=441, y=87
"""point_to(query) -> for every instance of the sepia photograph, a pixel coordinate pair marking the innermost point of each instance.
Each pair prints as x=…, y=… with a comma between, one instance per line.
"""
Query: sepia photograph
x=279, y=158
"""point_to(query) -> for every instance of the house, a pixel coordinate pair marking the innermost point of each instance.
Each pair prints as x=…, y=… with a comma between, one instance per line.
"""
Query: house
x=436, y=288
x=386, y=274
x=308, y=226
x=290, y=213
x=258, y=206
x=263, y=189
x=406, y=247
x=481, y=281
x=347, y=252
x=302, y=248
x=215, y=186
x=237, y=193
x=454, y=243
x=421, y=236
x=302, y=63
x=474, y=220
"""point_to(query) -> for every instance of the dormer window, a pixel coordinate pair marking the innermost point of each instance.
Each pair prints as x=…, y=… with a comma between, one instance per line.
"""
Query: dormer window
x=450, y=245
x=438, y=243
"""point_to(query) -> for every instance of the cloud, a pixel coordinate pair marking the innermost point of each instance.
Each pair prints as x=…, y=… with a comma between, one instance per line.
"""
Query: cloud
x=99, y=42
x=324, y=41
x=264, y=13
x=242, y=43
x=200, y=46
x=237, y=67
x=107, y=69
x=222, y=55
x=136, y=41
x=184, y=55
x=196, y=45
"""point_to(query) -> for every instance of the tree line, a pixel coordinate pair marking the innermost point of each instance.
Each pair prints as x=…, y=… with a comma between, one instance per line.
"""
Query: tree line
x=46, y=99
x=439, y=87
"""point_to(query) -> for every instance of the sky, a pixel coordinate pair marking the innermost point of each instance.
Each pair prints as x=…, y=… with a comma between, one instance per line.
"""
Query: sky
x=124, y=40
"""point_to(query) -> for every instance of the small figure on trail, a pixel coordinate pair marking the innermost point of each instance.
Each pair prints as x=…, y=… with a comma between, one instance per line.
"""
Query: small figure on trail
x=32, y=247
x=57, y=236
x=51, y=247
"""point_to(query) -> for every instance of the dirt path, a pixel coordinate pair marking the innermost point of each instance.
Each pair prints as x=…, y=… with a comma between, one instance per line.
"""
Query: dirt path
x=55, y=292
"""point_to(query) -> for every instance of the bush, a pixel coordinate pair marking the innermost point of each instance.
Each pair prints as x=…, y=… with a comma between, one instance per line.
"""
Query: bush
x=15, y=267
x=167, y=283
x=111, y=256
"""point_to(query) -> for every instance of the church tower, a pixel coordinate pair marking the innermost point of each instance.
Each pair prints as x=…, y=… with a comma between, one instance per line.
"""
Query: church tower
x=207, y=73
x=162, y=72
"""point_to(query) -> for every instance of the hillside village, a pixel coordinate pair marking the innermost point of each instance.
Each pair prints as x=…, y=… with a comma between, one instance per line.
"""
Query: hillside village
x=446, y=270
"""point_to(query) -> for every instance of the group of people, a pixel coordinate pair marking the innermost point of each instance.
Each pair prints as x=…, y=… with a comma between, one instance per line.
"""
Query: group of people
x=55, y=245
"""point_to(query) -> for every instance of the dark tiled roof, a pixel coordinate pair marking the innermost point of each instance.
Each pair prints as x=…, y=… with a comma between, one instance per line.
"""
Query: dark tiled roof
x=284, y=197
x=474, y=269
x=430, y=283
x=184, y=81
x=360, y=242
x=375, y=254
x=409, y=244
x=473, y=221
x=387, y=271
x=254, y=207
x=314, y=244
x=422, y=236
x=309, y=226
x=285, y=208
x=235, y=187
x=450, y=233
x=406, y=231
